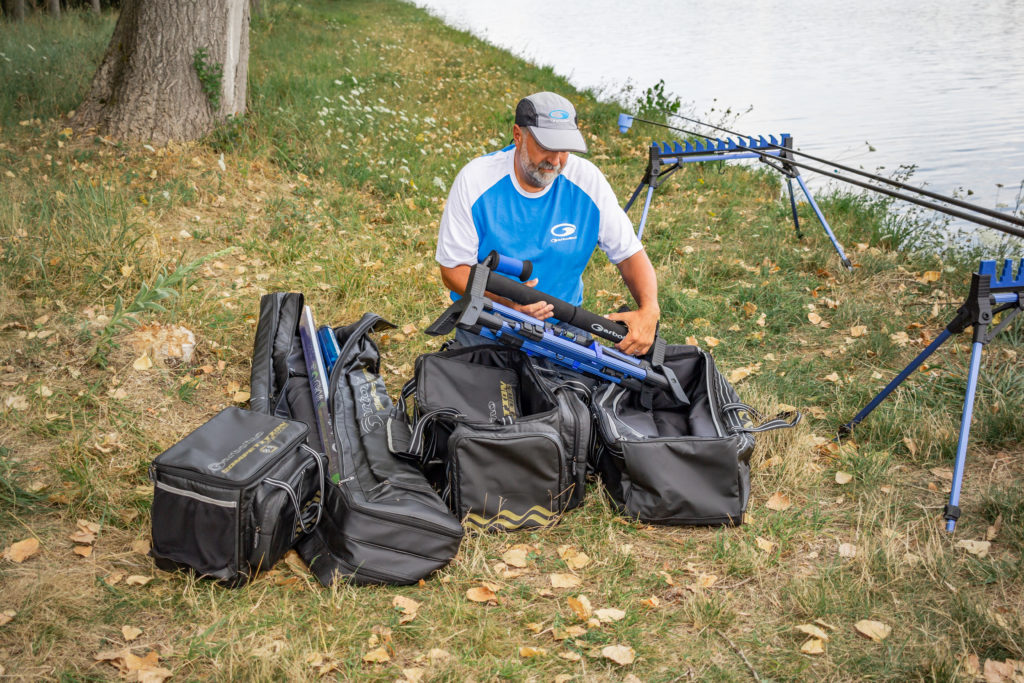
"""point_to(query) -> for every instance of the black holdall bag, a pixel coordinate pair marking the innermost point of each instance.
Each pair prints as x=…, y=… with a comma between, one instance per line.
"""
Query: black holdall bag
x=382, y=522
x=234, y=495
x=507, y=450
x=678, y=465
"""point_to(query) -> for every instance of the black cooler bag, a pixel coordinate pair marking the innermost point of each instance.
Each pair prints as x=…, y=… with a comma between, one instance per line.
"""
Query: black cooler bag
x=234, y=495
x=673, y=464
x=506, y=450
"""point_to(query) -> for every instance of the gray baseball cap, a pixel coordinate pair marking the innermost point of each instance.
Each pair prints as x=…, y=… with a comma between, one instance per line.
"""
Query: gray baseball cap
x=552, y=120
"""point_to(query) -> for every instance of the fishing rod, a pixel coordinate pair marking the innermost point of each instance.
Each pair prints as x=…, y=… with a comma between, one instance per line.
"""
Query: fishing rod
x=889, y=181
x=770, y=157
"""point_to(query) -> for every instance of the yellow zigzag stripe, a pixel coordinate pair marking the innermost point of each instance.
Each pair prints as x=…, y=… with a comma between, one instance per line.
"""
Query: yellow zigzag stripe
x=510, y=520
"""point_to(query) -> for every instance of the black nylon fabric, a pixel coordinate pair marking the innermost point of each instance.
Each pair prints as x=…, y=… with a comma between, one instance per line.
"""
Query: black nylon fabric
x=383, y=523
x=675, y=464
x=515, y=456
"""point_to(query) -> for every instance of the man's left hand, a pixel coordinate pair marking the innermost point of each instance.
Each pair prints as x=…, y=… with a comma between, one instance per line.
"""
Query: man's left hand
x=643, y=325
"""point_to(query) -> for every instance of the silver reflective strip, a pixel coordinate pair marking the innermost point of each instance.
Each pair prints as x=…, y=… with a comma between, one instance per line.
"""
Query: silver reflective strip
x=196, y=496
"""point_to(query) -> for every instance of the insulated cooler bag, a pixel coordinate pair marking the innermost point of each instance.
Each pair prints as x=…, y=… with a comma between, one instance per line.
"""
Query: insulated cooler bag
x=382, y=522
x=673, y=464
x=506, y=450
x=234, y=495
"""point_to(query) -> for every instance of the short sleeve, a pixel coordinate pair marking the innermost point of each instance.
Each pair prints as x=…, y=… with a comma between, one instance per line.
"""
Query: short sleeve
x=457, y=238
x=615, y=235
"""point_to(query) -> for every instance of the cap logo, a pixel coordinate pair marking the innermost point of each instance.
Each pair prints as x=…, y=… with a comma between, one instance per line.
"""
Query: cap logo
x=559, y=114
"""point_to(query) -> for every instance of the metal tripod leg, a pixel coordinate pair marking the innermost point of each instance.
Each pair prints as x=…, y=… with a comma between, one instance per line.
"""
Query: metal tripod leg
x=914, y=365
x=953, y=510
x=792, y=205
x=643, y=216
x=821, y=219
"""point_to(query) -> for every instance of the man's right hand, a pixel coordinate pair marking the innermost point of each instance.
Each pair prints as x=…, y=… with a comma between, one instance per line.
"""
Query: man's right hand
x=541, y=310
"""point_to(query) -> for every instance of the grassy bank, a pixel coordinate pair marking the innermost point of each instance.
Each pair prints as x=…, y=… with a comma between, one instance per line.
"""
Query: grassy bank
x=333, y=185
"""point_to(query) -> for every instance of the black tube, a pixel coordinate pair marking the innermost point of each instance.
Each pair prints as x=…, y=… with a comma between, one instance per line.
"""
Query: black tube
x=563, y=310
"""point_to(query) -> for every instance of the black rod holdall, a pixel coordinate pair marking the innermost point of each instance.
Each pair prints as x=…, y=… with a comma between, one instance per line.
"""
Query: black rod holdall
x=234, y=495
x=677, y=464
x=382, y=522
x=506, y=450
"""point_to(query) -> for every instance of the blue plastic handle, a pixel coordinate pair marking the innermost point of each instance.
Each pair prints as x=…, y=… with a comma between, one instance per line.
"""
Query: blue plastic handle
x=506, y=265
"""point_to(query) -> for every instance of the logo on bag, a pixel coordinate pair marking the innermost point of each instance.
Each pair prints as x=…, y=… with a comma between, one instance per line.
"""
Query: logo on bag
x=270, y=448
x=563, y=232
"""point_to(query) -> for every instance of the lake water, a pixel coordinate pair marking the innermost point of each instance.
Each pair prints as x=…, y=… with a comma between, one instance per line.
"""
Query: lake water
x=938, y=84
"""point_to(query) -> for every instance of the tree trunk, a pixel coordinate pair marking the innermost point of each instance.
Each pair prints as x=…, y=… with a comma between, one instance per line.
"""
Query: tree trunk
x=96, y=6
x=256, y=7
x=54, y=8
x=147, y=87
x=17, y=9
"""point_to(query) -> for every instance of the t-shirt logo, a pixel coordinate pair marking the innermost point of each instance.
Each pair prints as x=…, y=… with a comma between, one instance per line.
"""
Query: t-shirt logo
x=563, y=232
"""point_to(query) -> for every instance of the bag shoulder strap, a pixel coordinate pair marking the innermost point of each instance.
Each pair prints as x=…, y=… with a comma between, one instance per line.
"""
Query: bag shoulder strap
x=785, y=420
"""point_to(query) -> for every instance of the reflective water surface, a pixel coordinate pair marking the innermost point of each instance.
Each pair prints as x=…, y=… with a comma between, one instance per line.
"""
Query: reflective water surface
x=937, y=84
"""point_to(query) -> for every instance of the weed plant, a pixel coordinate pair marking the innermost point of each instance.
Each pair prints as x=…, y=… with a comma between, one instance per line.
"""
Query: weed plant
x=333, y=184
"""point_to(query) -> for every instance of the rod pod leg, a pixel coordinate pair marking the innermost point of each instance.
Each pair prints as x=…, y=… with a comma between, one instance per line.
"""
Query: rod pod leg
x=952, y=511
x=792, y=206
x=824, y=223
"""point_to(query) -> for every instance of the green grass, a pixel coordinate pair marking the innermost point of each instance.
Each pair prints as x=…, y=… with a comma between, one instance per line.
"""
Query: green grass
x=334, y=185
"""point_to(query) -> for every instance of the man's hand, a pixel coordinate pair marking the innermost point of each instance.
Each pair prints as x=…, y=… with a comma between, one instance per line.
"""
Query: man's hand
x=643, y=325
x=541, y=310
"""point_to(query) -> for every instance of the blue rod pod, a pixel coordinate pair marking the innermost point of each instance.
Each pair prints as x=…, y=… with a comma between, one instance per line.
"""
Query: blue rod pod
x=689, y=147
x=988, y=267
x=677, y=148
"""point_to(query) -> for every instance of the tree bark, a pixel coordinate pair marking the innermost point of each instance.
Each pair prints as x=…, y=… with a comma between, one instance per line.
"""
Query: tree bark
x=53, y=6
x=256, y=7
x=96, y=6
x=147, y=87
x=17, y=9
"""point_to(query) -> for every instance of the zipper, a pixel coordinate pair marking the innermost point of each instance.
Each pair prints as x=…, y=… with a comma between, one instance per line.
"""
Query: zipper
x=405, y=520
x=196, y=496
x=712, y=399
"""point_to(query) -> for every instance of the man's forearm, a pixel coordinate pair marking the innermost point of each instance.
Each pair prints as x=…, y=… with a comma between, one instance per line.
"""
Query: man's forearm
x=639, y=276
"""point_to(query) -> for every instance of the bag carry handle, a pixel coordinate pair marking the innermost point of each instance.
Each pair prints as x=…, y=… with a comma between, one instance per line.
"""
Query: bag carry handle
x=780, y=421
x=413, y=451
x=304, y=523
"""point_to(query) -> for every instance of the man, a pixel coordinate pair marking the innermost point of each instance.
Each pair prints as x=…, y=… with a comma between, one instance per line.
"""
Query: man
x=536, y=201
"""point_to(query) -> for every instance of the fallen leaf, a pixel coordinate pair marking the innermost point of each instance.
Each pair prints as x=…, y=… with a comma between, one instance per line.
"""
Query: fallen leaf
x=407, y=606
x=858, y=330
x=570, y=655
x=609, y=614
x=574, y=631
x=668, y=578
x=929, y=276
x=832, y=377
x=575, y=559
x=240, y=396
x=565, y=580
x=515, y=556
x=143, y=362
x=133, y=662
x=765, y=545
x=620, y=654
x=377, y=655
x=22, y=550
x=138, y=580
x=414, y=674
x=81, y=536
x=813, y=646
x=528, y=652
x=992, y=531
x=140, y=546
x=910, y=444
x=16, y=402
x=83, y=550
x=712, y=342
x=581, y=606
x=749, y=309
x=999, y=672
x=438, y=656
x=813, y=631
x=978, y=548
x=843, y=478
x=481, y=594
x=7, y=616
x=875, y=630
x=814, y=318
x=130, y=632
x=652, y=602
x=778, y=501
x=945, y=473
x=44, y=391
x=692, y=341
x=847, y=550
x=900, y=338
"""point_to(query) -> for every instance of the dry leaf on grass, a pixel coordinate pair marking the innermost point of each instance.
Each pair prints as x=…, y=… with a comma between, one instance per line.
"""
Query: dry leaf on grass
x=481, y=594
x=138, y=580
x=570, y=656
x=130, y=632
x=609, y=614
x=22, y=550
x=813, y=646
x=813, y=631
x=620, y=654
x=929, y=276
x=528, y=652
x=516, y=556
x=407, y=606
x=414, y=674
x=439, y=656
x=575, y=559
x=565, y=581
x=832, y=377
x=652, y=602
x=712, y=342
x=143, y=362
x=978, y=548
x=858, y=330
x=82, y=550
x=843, y=478
x=779, y=502
x=847, y=550
x=141, y=546
x=377, y=655
x=764, y=544
x=875, y=630
x=16, y=402
x=581, y=606
x=993, y=530
x=7, y=616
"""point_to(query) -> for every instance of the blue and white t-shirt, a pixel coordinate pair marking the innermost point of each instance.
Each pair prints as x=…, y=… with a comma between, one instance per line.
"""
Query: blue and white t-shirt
x=556, y=228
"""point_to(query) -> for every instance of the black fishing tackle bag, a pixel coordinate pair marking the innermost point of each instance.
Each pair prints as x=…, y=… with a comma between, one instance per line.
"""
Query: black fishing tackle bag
x=234, y=495
x=507, y=450
x=382, y=522
x=673, y=464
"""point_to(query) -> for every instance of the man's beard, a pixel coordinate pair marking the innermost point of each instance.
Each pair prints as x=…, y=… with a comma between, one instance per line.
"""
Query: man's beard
x=539, y=175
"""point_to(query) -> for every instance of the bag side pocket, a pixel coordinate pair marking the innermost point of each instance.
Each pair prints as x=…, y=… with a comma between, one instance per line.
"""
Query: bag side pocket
x=198, y=529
